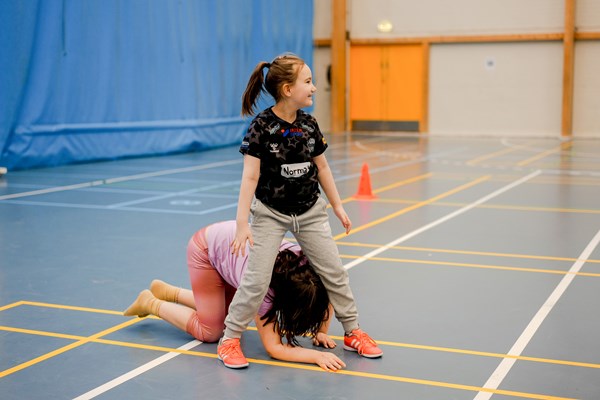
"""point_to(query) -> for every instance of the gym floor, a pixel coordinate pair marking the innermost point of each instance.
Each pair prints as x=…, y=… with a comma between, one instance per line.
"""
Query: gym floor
x=475, y=265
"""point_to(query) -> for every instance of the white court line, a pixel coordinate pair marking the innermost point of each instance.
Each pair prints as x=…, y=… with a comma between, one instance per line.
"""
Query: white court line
x=119, y=179
x=506, y=364
x=133, y=373
x=174, y=194
x=137, y=209
x=123, y=378
x=108, y=181
x=441, y=220
x=126, y=206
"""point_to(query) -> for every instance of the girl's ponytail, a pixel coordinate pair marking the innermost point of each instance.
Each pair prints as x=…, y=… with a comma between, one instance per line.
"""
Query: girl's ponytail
x=283, y=70
x=254, y=88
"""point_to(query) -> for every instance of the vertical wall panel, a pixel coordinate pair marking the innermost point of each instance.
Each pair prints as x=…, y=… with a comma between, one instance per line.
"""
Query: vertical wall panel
x=586, y=95
x=322, y=19
x=322, y=105
x=512, y=88
x=456, y=17
x=322, y=61
x=587, y=15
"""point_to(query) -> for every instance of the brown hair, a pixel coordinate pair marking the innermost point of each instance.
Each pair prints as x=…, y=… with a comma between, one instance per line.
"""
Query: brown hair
x=282, y=70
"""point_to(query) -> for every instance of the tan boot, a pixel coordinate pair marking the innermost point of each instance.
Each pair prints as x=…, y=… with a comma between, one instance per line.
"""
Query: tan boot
x=144, y=305
x=164, y=291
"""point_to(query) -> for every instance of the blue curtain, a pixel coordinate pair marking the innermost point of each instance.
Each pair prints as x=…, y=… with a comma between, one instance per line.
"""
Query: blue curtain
x=104, y=79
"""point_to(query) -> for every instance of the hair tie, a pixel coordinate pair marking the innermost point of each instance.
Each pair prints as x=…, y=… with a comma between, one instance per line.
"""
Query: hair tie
x=268, y=65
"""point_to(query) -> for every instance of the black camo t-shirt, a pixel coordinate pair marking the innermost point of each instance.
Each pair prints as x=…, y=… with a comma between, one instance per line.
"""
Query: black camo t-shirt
x=288, y=176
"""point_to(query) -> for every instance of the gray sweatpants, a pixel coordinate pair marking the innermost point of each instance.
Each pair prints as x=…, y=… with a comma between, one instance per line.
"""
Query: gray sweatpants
x=313, y=233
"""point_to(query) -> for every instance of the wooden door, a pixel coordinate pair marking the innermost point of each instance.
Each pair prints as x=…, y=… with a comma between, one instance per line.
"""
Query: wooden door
x=386, y=87
x=366, y=86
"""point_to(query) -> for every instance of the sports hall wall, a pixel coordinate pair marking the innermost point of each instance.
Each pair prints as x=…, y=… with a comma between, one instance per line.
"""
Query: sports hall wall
x=491, y=67
x=104, y=79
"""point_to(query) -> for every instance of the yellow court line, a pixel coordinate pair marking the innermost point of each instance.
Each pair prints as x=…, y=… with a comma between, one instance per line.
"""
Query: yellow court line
x=359, y=374
x=465, y=252
x=12, y=305
x=485, y=354
x=480, y=266
x=544, y=209
x=453, y=386
x=497, y=153
x=66, y=348
x=589, y=166
x=86, y=309
x=497, y=206
x=402, y=183
x=392, y=186
x=41, y=333
x=570, y=180
x=65, y=307
x=563, y=146
x=104, y=341
x=340, y=338
x=416, y=381
x=413, y=207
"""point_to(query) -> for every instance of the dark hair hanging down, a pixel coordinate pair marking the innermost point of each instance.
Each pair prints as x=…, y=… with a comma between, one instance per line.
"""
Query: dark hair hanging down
x=300, y=300
x=282, y=70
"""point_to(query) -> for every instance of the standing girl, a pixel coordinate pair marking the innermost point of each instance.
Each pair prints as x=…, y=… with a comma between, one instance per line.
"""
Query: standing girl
x=283, y=167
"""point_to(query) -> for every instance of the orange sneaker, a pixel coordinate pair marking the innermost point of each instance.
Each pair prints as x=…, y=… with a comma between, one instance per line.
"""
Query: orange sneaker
x=359, y=341
x=230, y=352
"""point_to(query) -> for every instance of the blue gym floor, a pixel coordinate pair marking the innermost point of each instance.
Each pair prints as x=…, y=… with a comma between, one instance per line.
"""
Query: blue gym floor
x=476, y=267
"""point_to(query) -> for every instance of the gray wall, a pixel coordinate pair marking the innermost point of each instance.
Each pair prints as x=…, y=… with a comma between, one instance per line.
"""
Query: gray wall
x=484, y=88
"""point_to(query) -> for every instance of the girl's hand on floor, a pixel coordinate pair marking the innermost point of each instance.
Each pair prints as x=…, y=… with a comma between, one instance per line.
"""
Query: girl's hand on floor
x=329, y=361
x=322, y=339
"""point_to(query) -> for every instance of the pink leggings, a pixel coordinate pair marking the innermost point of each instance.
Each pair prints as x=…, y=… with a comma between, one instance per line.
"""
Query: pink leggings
x=212, y=294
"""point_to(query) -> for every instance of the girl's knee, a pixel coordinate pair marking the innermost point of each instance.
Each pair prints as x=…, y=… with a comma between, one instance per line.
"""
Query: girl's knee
x=212, y=337
x=203, y=332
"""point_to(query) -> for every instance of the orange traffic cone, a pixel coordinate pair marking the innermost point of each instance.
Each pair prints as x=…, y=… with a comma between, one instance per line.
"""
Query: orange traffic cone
x=364, y=186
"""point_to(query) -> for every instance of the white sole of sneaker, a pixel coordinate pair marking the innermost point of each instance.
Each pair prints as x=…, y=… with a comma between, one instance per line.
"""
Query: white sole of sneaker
x=363, y=355
x=233, y=366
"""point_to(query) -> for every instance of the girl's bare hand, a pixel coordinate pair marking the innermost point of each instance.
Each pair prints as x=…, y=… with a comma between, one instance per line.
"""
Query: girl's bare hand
x=242, y=235
x=329, y=361
x=343, y=217
x=322, y=339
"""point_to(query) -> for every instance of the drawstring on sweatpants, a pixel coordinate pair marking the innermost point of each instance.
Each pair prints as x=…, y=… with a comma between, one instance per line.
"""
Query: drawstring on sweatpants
x=296, y=225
